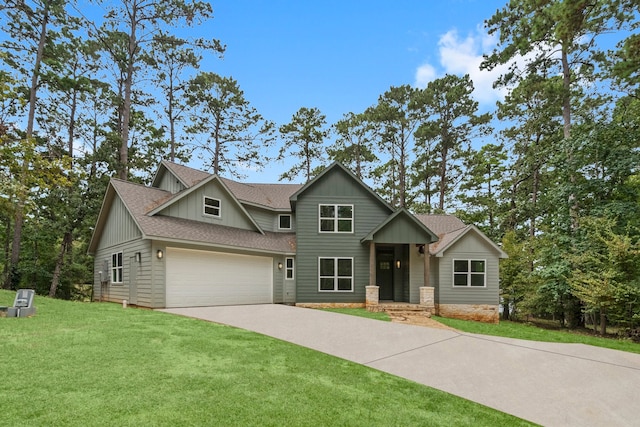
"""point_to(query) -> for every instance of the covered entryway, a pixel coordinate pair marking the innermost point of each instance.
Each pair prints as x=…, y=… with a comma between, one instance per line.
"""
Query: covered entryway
x=197, y=278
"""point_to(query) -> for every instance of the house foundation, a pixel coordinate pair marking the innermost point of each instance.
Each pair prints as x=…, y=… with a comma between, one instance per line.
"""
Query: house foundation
x=478, y=312
x=330, y=304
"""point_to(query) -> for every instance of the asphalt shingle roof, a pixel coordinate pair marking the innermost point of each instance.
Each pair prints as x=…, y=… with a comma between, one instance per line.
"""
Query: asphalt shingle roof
x=274, y=196
x=446, y=227
x=186, y=174
x=140, y=200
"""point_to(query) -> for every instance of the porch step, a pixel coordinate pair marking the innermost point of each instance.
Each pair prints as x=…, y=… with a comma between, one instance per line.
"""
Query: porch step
x=401, y=307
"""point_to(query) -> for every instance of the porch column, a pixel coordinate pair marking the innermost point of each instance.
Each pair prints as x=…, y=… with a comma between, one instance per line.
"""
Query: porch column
x=372, y=291
x=372, y=263
x=427, y=265
x=427, y=292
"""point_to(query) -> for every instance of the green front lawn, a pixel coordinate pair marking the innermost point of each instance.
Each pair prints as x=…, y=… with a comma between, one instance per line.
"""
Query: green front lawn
x=99, y=364
x=534, y=333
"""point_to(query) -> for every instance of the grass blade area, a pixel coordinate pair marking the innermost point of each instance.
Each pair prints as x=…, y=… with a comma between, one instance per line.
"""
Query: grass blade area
x=534, y=333
x=79, y=364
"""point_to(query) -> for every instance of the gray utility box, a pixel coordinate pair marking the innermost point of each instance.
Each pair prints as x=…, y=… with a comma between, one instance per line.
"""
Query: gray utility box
x=23, y=304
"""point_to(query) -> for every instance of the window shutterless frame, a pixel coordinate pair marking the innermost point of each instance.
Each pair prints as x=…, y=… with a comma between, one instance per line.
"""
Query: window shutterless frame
x=211, y=207
x=335, y=218
x=284, y=222
x=116, y=267
x=289, y=273
x=469, y=273
x=335, y=274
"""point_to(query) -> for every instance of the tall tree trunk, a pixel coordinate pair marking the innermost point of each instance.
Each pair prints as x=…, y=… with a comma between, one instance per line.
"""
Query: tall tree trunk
x=603, y=321
x=216, y=153
x=123, y=172
x=402, y=176
x=172, y=126
x=566, y=129
x=22, y=194
x=443, y=178
x=64, y=247
x=534, y=201
x=67, y=238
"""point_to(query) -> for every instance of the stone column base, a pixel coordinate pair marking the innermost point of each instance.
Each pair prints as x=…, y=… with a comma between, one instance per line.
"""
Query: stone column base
x=427, y=299
x=372, y=298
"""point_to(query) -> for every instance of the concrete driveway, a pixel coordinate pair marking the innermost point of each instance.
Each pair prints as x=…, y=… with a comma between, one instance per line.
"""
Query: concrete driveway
x=550, y=384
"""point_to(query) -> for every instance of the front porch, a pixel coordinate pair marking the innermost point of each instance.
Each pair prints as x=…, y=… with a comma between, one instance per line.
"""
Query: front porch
x=426, y=305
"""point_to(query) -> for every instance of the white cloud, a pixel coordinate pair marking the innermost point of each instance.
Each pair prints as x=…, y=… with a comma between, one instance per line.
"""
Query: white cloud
x=461, y=56
x=424, y=74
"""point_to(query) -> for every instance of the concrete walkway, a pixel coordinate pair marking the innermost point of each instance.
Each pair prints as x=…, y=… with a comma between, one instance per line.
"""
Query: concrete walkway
x=547, y=383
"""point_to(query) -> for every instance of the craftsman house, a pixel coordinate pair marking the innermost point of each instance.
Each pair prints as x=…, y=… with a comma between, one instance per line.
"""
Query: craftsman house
x=196, y=239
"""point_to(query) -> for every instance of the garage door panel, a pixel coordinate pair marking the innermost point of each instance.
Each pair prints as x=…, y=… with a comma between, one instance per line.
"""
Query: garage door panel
x=201, y=278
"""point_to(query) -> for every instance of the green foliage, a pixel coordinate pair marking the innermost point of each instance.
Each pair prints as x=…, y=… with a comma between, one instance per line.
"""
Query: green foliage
x=303, y=140
x=606, y=277
x=479, y=190
x=354, y=145
x=517, y=284
x=451, y=122
x=235, y=134
x=395, y=119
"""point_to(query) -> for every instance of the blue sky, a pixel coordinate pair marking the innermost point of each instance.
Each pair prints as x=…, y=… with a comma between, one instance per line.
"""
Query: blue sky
x=339, y=56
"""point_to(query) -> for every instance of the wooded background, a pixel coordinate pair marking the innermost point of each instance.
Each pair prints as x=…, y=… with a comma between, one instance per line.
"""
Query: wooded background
x=558, y=186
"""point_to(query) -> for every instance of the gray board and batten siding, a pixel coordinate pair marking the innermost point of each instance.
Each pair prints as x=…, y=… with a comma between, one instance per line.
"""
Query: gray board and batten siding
x=471, y=247
x=169, y=182
x=191, y=207
x=336, y=187
x=121, y=234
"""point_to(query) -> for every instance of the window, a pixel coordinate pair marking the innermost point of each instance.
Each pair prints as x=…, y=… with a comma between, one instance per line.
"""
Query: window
x=288, y=269
x=211, y=206
x=284, y=222
x=469, y=272
x=116, y=268
x=336, y=274
x=336, y=218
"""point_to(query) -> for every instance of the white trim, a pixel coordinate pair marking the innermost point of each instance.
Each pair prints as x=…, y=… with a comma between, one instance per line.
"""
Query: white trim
x=335, y=218
x=115, y=269
x=335, y=274
x=290, y=222
x=287, y=269
x=469, y=273
x=205, y=206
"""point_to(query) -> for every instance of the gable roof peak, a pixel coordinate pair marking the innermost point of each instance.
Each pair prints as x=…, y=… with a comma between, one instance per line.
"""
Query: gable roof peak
x=188, y=176
x=329, y=169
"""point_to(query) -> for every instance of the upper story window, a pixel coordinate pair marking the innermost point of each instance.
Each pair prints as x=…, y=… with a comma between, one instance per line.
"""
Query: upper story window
x=469, y=272
x=336, y=218
x=284, y=222
x=211, y=206
x=116, y=267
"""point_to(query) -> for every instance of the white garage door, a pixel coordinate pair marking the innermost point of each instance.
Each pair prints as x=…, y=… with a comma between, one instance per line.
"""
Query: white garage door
x=201, y=278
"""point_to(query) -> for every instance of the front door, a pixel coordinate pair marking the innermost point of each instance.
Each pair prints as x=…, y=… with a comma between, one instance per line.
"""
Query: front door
x=384, y=272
